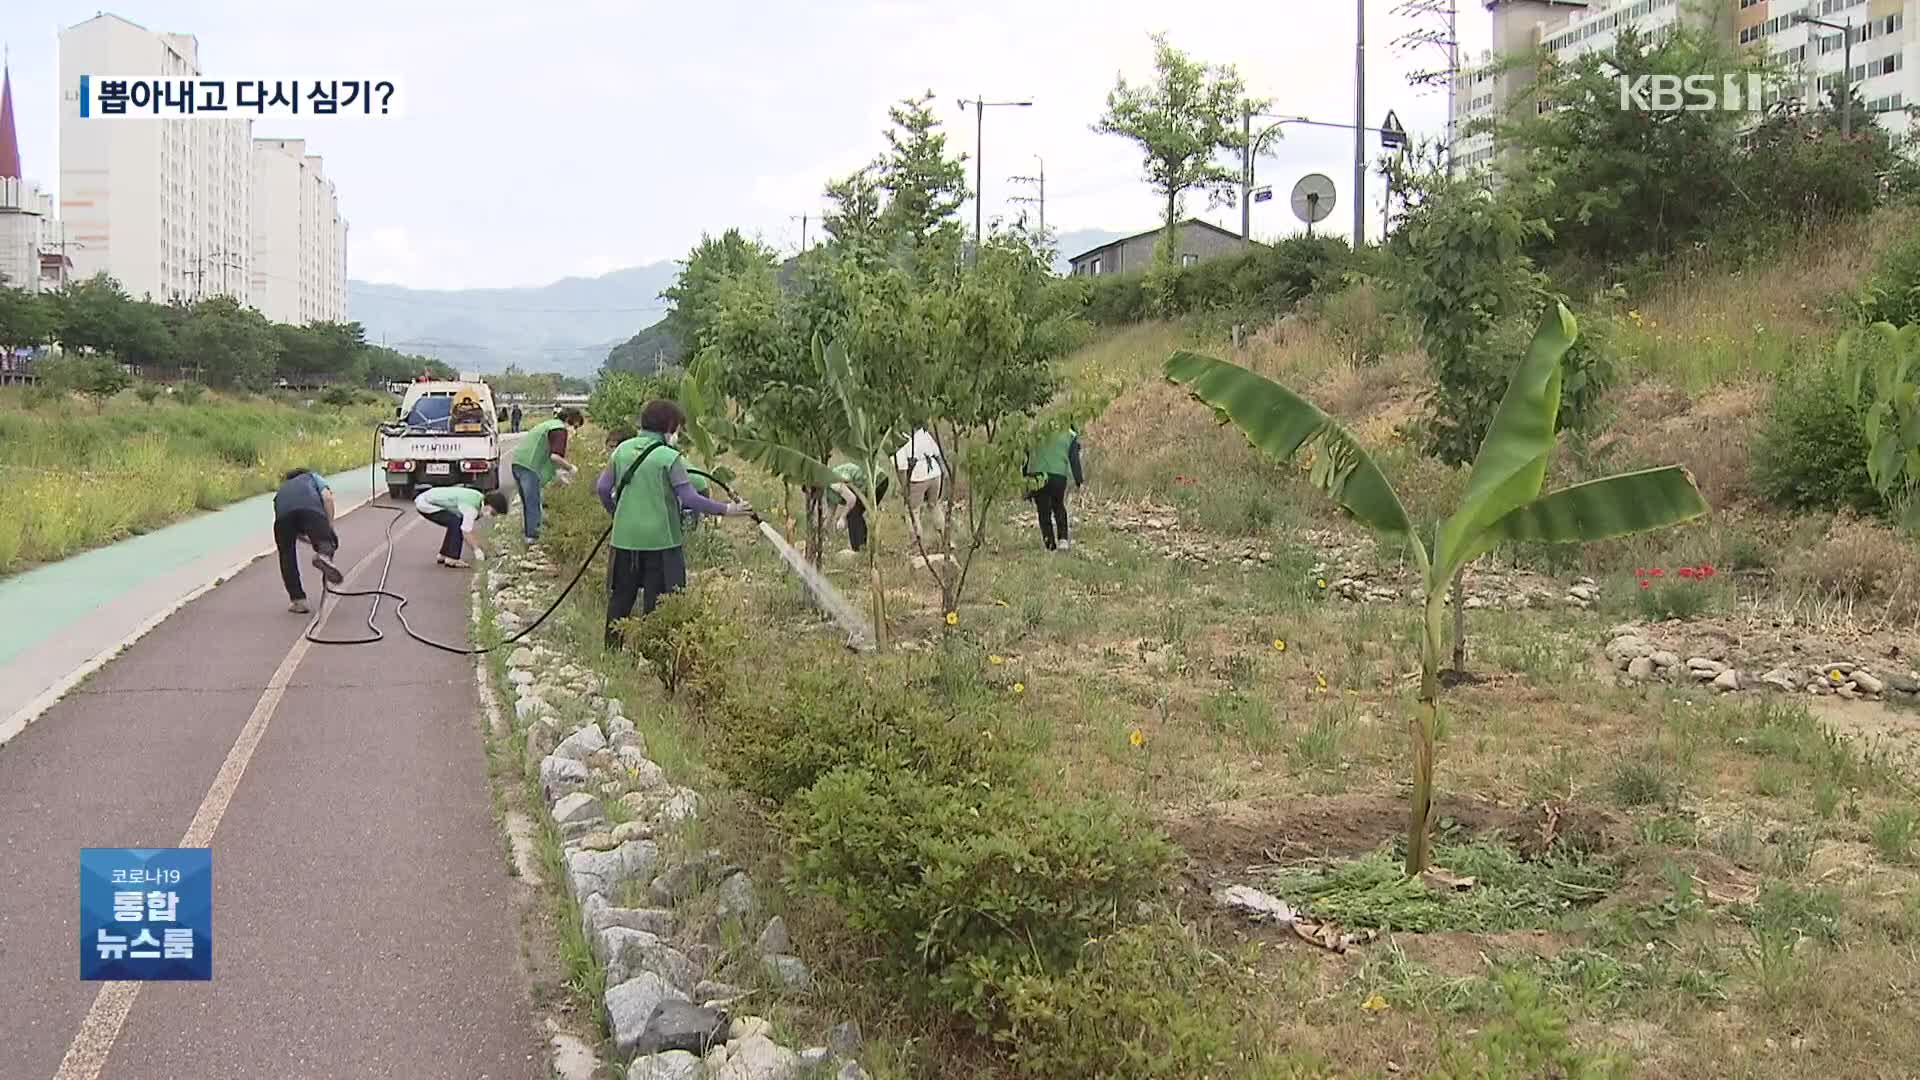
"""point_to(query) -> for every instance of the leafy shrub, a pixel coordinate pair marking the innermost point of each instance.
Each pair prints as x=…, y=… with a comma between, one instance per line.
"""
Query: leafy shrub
x=1810, y=454
x=1117, y=299
x=968, y=886
x=1144, y=1002
x=1262, y=281
x=826, y=717
x=189, y=393
x=1893, y=290
x=147, y=392
x=686, y=640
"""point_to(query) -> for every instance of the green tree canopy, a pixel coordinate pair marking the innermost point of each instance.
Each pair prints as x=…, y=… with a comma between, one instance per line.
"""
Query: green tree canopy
x=1182, y=119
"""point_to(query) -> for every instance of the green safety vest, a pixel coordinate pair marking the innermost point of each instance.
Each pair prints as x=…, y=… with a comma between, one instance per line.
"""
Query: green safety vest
x=533, y=453
x=455, y=499
x=647, y=517
x=851, y=474
x=1050, y=457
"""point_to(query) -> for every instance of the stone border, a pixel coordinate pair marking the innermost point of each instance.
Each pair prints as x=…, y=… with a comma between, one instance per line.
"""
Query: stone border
x=611, y=806
x=1630, y=650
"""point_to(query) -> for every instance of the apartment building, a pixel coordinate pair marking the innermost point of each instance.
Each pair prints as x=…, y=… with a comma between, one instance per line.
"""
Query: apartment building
x=180, y=209
x=162, y=205
x=1886, y=51
x=299, y=237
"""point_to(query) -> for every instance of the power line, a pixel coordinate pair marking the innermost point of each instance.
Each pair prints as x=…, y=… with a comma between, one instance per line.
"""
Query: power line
x=1039, y=181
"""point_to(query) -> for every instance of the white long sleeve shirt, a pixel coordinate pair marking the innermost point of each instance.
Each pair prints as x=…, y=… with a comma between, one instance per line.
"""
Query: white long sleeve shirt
x=924, y=454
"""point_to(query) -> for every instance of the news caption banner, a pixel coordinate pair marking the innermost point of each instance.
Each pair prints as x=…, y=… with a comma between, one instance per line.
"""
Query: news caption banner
x=158, y=97
x=146, y=914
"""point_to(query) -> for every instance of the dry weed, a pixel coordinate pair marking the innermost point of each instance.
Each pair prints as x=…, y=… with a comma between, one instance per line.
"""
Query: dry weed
x=1862, y=569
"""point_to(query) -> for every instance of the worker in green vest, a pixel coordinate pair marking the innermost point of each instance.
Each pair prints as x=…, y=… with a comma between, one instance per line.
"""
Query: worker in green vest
x=651, y=488
x=541, y=459
x=457, y=510
x=850, y=507
x=1048, y=466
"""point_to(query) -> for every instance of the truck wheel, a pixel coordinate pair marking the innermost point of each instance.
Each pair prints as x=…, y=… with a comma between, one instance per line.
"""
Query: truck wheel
x=400, y=492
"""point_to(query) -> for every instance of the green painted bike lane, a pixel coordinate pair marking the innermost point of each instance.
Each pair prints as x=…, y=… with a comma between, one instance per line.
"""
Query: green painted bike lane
x=61, y=615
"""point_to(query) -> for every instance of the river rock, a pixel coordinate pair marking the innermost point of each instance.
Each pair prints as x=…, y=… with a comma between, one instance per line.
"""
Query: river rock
x=631, y=1004
x=1781, y=678
x=788, y=971
x=680, y=1025
x=774, y=939
x=1727, y=680
x=757, y=1058
x=629, y=952
x=561, y=776
x=672, y=1065
x=578, y=806
x=1866, y=683
x=1664, y=659
x=1640, y=667
x=1622, y=649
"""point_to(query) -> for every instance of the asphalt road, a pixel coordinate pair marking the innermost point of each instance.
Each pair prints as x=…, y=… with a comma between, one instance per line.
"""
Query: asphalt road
x=363, y=917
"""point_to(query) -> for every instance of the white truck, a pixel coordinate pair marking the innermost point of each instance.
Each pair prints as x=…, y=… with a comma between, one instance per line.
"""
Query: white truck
x=442, y=433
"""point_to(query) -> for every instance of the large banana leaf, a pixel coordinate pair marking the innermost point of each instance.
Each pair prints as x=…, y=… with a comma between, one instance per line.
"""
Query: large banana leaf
x=783, y=462
x=1622, y=505
x=859, y=427
x=1279, y=422
x=1512, y=463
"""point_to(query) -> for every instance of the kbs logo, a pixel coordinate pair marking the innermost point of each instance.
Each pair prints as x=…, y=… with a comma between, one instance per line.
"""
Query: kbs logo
x=1692, y=93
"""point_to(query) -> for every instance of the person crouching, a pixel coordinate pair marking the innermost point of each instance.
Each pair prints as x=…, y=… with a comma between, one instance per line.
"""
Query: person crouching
x=456, y=509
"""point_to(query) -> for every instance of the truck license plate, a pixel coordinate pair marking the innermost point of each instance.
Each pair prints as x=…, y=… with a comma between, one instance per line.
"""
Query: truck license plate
x=439, y=468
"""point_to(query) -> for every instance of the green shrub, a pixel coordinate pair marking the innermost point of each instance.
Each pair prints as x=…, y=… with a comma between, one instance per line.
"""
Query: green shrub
x=1810, y=454
x=1527, y=1039
x=147, y=392
x=827, y=717
x=1144, y=1002
x=189, y=393
x=1893, y=290
x=965, y=887
x=686, y=640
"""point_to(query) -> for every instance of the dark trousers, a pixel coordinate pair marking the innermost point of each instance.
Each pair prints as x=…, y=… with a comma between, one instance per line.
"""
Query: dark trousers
x=641, y=575
x=451, y=546
x=288, y=528
x=857, y=526
x=1051, y=502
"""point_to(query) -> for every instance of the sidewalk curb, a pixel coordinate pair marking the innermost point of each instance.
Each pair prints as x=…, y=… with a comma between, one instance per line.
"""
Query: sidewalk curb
x=32, y=710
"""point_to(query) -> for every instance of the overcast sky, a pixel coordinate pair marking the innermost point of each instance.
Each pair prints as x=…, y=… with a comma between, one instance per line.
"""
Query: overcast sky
x=574, y=137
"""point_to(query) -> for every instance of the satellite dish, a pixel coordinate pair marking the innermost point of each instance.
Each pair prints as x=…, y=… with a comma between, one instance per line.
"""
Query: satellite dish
x=1313, y=199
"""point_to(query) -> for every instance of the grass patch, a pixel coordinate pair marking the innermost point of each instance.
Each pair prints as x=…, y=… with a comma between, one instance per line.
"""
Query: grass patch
x=1509, y=893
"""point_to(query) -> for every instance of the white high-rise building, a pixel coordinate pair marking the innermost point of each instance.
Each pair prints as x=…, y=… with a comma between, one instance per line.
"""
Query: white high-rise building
x=1886, y=51
x=162, y=205
x=299, y=237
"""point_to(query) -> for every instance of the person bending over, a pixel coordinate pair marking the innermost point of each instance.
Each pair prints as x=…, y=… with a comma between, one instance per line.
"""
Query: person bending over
x=1050, y=463
x=303, y=512
x=539, y=461
x=650, y=489
x=456, y=509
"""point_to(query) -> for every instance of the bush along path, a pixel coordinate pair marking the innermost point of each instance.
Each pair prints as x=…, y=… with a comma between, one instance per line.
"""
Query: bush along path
x=652, y=910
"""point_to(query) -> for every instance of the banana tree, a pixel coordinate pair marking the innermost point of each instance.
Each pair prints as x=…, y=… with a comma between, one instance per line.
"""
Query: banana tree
x=1502, y=503
x=1885, y=361
x=862, y=438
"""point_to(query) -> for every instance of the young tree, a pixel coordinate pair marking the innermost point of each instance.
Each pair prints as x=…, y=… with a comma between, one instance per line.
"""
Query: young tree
x=854, y=222
x=1502, y=503
x=924, y=188
x=712, y=260
x=1189, y=113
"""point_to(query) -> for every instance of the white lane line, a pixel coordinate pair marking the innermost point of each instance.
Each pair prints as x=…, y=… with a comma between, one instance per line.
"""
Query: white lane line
x=28, y=713
x=88, y=1052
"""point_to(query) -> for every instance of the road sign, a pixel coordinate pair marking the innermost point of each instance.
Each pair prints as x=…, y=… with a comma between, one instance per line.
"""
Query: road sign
x=1313, y=198
x=1392, y=135
x=1262, y=194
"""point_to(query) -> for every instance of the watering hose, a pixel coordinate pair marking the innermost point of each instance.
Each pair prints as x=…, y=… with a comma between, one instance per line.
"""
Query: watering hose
x=380, y=591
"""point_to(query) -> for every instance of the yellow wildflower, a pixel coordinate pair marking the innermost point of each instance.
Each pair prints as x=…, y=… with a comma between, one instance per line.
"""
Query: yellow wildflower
x=953, y=618
x=1138, y=738
x=1320, y=680
x=1374, y=1004
x=1321, y=582
x=1279, y=645
x=996, y=660
x=1835, y=675
x=1019, y=688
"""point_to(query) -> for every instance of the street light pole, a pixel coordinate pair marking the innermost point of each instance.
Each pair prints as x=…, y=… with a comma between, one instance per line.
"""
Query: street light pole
x=979, y=153
x=1359, y=125
x=1846, y=60
x=1246, y=171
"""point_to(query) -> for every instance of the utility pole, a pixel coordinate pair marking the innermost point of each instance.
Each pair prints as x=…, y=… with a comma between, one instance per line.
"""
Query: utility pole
x=802, y=218
x=1448, y=41
x=1041, y=183
x=1246, y=170
x=1359, y=125
x=979, y=151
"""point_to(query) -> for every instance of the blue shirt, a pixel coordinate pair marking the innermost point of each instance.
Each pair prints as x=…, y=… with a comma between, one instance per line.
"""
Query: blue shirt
x=300, y=493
